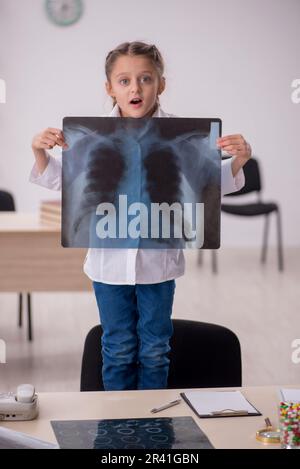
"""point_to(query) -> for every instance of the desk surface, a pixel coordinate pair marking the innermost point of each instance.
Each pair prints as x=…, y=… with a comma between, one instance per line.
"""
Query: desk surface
x=228, y=432
x=13, y=222
x=32, y=258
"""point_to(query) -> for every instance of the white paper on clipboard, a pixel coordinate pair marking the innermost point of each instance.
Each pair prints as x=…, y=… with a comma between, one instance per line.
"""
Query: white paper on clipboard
x=225, y=403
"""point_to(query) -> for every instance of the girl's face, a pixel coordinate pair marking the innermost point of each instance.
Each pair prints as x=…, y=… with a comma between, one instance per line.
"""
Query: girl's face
x=135, y=77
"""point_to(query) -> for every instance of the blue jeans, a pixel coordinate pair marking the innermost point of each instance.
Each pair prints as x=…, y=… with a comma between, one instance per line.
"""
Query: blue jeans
x=137, y=327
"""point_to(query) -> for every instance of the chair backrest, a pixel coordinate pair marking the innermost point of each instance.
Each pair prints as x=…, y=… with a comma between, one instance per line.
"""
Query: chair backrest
x=252, y=178
x=7, y=203
x=91, y=366
x=202, y=355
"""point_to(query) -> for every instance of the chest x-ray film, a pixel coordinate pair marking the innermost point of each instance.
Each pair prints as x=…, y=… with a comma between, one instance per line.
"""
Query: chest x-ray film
x=148, y=183
x=144, y=433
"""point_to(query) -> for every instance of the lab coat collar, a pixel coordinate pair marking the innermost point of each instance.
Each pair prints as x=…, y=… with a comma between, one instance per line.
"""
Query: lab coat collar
x=158, y=113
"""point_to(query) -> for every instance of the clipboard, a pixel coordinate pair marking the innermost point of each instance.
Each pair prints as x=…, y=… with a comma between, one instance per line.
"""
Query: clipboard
x=220, y=413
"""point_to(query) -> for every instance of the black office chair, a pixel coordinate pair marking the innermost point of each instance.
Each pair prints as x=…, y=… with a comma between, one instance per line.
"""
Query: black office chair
x=258, y=208
x=7, y=204
x=202, y=355
x=252, y=184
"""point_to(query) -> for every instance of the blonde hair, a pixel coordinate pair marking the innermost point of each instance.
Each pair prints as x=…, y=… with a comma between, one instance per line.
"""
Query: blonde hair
x=134, y=48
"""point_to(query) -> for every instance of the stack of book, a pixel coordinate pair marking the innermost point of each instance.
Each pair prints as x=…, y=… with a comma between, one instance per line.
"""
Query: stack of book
x=50, y=212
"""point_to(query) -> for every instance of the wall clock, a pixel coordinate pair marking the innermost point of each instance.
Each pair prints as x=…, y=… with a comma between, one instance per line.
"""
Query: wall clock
x=64, y=12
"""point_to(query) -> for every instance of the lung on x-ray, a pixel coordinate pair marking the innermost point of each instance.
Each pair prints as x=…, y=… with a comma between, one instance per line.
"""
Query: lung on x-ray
x=149, y=183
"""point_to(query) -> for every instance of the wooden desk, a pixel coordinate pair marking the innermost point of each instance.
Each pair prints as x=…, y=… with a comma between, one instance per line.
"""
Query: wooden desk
x=32, y=258
x=228, y=432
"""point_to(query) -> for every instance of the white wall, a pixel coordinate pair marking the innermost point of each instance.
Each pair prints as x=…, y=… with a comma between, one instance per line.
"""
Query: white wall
x=234, y=59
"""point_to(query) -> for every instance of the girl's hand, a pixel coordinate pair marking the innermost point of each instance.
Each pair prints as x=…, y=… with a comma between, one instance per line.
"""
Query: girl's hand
x=235, y=145
x=48, y=139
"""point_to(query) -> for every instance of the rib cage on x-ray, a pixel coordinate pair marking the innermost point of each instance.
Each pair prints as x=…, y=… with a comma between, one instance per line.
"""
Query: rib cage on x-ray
x=132, y=159
x=106, y=169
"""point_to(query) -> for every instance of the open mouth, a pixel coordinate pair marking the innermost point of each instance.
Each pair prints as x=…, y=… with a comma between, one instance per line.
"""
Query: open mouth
x=136, y=102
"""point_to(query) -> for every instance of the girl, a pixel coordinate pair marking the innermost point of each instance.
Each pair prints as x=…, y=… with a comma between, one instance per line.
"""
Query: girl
x=134, y=288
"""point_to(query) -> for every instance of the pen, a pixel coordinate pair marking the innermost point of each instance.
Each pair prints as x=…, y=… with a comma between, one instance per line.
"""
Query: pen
x=166, y=406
